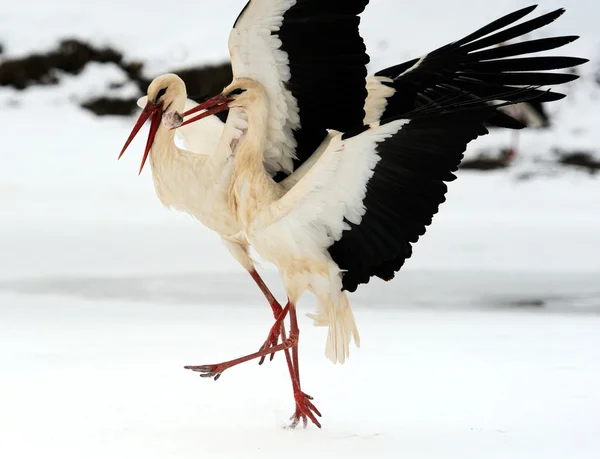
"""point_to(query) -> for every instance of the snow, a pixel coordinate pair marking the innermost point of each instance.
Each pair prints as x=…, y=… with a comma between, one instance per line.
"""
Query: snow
x=487, y=344
x=97, y=378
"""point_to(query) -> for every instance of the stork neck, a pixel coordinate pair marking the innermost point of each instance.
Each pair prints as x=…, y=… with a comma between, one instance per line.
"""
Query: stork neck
x=163, y=146
x=251, y=150
x=165, y=135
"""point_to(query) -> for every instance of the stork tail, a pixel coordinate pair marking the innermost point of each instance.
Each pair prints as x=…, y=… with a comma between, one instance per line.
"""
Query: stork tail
x=338, y=316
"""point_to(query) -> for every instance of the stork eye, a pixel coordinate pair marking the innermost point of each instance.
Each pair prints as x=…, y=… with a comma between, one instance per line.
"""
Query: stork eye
x=236, y=92
x=161, y=93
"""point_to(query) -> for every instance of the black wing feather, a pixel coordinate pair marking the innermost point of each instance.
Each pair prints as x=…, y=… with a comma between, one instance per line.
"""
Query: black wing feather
x=476, y=67
x=403, y=195
x=409, y=184
x=327, y=60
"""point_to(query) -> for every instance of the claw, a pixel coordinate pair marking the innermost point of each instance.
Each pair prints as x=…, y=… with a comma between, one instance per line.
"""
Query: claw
x=206, y=371
x=271, y=341
x=305, y=410
x=295, y=421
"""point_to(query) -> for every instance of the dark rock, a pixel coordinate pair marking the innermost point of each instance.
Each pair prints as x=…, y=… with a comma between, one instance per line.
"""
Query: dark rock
x=71, y=56
x=201, y=83
x=35, y=69
x=487, y=162
x=580, y=159
x=530, y=303
x=134, y=73
x=103, y=106
x=117, y=85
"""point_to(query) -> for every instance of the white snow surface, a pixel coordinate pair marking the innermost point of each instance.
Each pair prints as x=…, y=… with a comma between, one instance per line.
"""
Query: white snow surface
x=487, y=345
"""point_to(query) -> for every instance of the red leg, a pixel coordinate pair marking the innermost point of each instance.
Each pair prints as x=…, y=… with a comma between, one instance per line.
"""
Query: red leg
x=275, y=306
x=295, y=351
x=304, y=407
x=215, y=370
x=277, y=310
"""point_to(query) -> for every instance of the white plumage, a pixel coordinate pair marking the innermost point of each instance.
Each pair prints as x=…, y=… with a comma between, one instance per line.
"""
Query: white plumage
x=377, y=99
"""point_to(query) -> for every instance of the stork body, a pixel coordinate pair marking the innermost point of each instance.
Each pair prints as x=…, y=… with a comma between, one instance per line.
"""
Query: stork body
x=300, y=256
x=365, y=190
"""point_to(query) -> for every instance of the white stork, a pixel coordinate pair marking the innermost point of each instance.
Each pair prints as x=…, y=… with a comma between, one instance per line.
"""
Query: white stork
x=369, y=190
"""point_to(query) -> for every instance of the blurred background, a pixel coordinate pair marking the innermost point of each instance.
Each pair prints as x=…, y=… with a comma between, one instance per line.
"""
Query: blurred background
x=102, y=289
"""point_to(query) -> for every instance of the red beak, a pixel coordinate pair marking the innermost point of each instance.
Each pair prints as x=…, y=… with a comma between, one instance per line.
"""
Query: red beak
x=212, y=106
x=150, y=110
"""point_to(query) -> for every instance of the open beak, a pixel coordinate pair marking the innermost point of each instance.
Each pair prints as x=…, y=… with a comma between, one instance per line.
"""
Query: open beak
x=212, y=106
x=154, y=112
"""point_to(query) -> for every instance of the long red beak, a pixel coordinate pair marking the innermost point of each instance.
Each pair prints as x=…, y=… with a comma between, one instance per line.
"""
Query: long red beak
x=212, y=106
x=150, y=110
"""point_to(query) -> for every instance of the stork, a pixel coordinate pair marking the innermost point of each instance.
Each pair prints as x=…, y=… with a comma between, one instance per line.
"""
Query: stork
x=367, y=193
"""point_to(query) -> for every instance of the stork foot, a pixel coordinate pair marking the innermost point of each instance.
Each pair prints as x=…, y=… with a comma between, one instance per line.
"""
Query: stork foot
x=305, y=410
x=208, y=371
x=215, y=371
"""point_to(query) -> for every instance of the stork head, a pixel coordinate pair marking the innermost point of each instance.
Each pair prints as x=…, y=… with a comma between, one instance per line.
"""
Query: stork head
x=166, y=93
x=240, y=93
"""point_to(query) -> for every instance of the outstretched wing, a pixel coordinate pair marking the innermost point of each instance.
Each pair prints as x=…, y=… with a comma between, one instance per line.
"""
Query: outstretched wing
x=480, y=65
x=374, y=191
x=311, y=60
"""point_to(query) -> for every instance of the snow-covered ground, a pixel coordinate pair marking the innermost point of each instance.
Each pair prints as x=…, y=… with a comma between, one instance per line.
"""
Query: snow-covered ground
x=103, y=377
x=486, y=346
